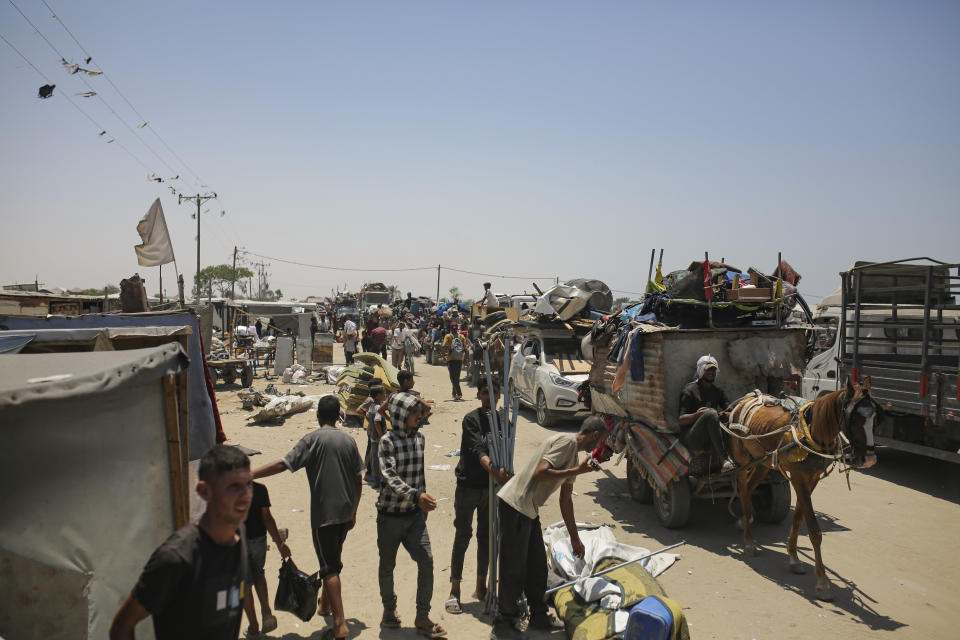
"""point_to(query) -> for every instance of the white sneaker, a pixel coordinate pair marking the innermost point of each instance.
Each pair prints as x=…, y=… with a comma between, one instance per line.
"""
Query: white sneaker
x=728, y=465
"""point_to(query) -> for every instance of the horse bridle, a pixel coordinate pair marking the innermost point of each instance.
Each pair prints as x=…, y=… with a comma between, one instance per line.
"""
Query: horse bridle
x=845, y=413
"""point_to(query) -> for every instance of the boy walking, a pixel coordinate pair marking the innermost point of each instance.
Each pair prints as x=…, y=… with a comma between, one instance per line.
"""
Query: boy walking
x=260, y=522
x=375, y=431
x=402, y=509
x=194, y=583
x=335, y=473
x=454, y=349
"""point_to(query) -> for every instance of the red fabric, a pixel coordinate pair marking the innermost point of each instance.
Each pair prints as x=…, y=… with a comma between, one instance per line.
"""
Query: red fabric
x=785, y=271
x=707, y=281
x=221, y=436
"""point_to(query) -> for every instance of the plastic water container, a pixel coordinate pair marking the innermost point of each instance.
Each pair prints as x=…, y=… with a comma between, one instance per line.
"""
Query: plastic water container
x=649, y=620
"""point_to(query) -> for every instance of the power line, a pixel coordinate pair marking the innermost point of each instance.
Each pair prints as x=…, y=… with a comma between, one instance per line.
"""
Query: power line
x=495, y=275
x=74, y=105
x=90, y=87
x=319, y=266
x=117, y=89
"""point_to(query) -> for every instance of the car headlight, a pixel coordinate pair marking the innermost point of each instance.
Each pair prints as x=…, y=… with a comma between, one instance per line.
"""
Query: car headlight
x=560, y=381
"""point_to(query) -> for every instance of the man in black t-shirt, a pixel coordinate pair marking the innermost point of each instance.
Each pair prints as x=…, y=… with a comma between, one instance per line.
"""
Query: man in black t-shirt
x=473, y=494
x=194, y=583
x=702, y=406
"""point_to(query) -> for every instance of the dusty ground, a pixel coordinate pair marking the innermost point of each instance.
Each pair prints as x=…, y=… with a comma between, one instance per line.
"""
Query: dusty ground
x=891, y=544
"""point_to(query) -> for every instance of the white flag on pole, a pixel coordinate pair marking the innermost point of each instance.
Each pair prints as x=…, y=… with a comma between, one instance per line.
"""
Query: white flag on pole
x=156, y=248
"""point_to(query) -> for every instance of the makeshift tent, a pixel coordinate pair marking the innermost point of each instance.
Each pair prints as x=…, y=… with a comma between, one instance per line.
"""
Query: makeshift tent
x=93, y=467
x=203, y=411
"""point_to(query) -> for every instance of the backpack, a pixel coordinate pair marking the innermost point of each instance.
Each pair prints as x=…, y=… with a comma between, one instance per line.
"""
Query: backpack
x=456, y=348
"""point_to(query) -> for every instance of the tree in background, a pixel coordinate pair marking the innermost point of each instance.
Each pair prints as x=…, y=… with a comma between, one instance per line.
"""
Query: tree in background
x=107, y=290
x=619, y=302
x=218, y=278
x=394, y=292
x=454, y=293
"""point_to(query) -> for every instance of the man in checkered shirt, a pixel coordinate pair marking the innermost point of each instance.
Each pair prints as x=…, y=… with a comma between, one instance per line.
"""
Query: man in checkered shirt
x=402, y=510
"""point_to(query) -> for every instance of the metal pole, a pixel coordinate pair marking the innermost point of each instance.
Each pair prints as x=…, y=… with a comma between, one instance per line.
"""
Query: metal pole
x=438, y=286
x=197, y=298
x=233, y=280
x=855, y=370
x=779, y=301
x=614, y=567
x=706, y=265
x=653, y=252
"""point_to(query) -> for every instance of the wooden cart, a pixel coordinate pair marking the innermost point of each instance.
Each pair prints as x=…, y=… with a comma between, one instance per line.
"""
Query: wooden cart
x=661, y=470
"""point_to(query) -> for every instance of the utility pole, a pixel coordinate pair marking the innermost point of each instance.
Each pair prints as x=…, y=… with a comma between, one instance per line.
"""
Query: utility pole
x=199, y=199
x=438, y=285
x=233, y=280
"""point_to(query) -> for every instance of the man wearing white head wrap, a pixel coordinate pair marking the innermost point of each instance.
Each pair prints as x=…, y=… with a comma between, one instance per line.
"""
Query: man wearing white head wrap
x=703, y=363
x=702, y=406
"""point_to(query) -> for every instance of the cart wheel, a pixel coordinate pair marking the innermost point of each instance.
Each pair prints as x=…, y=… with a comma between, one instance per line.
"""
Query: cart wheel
x=771, y=502
x=544, y=417
x=673, y=504
x=640, y=489
x=213, y=374
x=246, y=376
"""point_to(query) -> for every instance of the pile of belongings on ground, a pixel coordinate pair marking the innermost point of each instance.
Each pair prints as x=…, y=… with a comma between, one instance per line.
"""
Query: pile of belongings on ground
x=275, y=405
x=295, y=374
x=689, y=297
x=353, y=382
x=605, y=607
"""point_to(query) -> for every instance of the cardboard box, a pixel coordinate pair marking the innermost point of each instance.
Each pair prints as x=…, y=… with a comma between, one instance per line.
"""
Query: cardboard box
x=758, y=294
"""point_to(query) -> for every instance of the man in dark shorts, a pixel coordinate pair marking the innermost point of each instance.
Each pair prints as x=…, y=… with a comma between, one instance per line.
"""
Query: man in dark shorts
x=335, y=473
x=259, y=522
x=194, y=583
x=473, y=495
x=702, y=406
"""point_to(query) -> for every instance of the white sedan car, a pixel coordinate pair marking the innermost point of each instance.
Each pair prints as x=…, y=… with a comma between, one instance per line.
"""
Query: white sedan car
x=545, y=374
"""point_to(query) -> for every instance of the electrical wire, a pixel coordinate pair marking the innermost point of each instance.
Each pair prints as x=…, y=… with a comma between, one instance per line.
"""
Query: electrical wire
x=120, y=93
x=90, y=87
x=319, y=266
x=74, y=105
x=495, y=275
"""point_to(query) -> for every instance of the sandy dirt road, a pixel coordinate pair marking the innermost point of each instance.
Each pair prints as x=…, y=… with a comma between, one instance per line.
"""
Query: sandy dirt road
x=890, y=544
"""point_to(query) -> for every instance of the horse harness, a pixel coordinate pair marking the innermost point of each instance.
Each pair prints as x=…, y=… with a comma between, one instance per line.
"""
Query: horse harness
x=796, y=444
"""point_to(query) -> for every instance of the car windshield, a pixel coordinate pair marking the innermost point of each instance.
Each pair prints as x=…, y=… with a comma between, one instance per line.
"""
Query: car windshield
x=565, y=348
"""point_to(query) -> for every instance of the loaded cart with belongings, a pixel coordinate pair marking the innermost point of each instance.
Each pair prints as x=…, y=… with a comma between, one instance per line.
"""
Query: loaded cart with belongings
x=643, y=356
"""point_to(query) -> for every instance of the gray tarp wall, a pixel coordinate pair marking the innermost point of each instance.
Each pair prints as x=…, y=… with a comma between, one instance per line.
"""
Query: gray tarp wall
x=203, y=430
x=86, y=486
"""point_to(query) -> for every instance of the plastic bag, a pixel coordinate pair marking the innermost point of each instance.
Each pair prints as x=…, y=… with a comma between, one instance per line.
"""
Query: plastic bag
x=296, y=591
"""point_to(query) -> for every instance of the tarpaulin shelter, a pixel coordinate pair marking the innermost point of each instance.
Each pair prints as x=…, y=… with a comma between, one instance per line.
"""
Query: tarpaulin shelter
x=94, y=471
x=204, y=419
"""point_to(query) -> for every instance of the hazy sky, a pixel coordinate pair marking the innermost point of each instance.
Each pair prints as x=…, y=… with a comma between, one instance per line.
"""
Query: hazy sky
x=535, y=139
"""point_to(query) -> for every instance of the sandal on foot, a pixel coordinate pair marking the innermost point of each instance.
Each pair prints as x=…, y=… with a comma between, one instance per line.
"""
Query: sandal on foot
x=453, y=606
x=432, y=630
x=250, y=634
x=390, y=620
x=269, y=624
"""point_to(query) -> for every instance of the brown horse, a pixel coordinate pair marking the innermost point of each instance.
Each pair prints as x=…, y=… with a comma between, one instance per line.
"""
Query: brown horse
x=771, y=428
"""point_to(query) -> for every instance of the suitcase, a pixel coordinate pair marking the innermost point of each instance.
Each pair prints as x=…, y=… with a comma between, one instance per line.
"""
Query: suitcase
x=649, y=619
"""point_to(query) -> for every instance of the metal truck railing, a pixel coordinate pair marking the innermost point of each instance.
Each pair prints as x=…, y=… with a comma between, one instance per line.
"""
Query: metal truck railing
x=901, y=327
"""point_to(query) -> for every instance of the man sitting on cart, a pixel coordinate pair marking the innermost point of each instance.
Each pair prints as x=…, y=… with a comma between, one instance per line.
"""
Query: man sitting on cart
x=702, y=406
